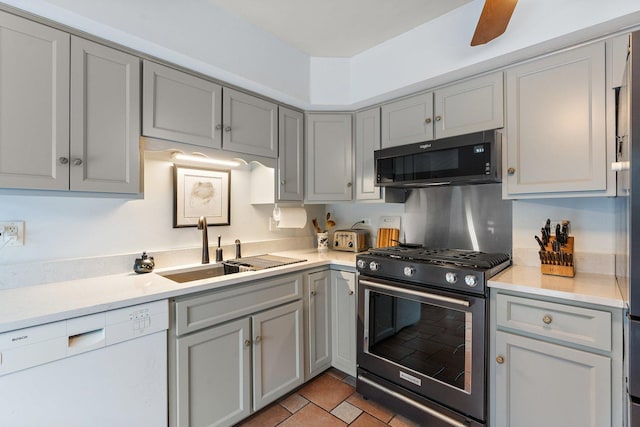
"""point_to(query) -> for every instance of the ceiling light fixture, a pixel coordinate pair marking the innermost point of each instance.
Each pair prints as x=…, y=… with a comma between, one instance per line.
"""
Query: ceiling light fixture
x=201, y=158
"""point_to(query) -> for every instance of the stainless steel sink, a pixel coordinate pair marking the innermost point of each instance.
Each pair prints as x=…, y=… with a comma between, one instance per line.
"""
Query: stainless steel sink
x=194, y=273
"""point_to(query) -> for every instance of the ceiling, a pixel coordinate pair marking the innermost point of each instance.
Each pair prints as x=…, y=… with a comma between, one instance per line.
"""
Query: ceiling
x=337, y=28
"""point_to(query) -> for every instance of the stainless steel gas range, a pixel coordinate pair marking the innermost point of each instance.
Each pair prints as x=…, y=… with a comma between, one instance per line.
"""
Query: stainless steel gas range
x=422, y=343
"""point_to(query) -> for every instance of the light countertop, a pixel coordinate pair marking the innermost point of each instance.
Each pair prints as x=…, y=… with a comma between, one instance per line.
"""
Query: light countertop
x=587, y=288
x=34, y=305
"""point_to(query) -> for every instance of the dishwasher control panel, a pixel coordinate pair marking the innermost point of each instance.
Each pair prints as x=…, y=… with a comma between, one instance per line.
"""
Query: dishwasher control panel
x=28, y=347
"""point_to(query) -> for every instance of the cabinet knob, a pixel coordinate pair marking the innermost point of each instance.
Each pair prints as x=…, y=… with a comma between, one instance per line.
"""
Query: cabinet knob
x=282, y=182
x=350, y=292
x=218, y=126
x=438, y=118
x=511, y=171
x=77, y=162
x=349, y=184
x=500, y=360
x=247, y=343
x=427, y=120
x=547, y=319
x=63, y=160
x=227, y=129
x=313, y=293
x=257, y=339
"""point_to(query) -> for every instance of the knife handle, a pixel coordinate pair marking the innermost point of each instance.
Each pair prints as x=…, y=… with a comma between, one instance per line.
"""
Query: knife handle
x=542, y=246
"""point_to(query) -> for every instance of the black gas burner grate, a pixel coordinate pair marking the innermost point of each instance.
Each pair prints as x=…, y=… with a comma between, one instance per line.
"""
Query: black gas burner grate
x=458, y=257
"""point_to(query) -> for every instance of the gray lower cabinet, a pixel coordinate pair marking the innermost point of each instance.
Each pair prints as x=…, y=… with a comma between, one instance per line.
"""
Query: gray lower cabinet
x=234, y=351
x=317, y=308
x=328, y=154
x=249, y=124
x=180, y=107
x=367, y=140
x=343, y=319
x=555, y=363
x=290, y=178
x=69, y=112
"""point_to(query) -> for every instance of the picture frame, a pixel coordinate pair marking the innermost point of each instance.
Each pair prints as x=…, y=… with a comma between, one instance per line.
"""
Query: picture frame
x=201, y=192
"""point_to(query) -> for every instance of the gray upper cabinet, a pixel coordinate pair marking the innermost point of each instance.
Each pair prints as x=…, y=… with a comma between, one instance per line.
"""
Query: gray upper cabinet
x=290, y=155
x=250, y=124
x=328, y=165
x=407, y=120
x=556, y=125
x=34, y=105
x=469, y=106
x=367, y=135
x=69, y=112
x=105, y=119
x=180, y=107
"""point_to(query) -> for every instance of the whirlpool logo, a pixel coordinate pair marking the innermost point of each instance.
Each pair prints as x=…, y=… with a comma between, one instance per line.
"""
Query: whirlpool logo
x=423, y=146
x=20, y=338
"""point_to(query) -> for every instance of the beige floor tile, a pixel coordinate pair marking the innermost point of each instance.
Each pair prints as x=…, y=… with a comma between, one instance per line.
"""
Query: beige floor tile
x=366, y=420
x=312, y=416
x=346, y=412
x=294, y=402
x=268, y=417
x=326, y=391
x=373, y=408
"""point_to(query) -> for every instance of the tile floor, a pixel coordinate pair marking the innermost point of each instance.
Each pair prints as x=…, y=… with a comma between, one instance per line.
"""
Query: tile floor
x=328, y=400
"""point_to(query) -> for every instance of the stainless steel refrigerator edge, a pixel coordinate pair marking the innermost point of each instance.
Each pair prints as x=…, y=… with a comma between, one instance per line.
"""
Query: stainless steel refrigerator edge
x=470, y=217
x=628, y=218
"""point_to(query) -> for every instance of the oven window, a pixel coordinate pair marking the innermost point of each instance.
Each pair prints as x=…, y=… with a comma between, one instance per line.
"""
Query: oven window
x=429, y=339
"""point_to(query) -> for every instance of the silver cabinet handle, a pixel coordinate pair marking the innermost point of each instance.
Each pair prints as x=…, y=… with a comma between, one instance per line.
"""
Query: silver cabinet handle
x=257, y=339
x=63, y=160
x=500, y=360
x=313, y=293
x=227, y=129
x=218, y=126
x=511, y=171
x=427, y=120
x=247, y=343
x=77, y=162
x=350, y=292
x=547, y=319
x=438, y=118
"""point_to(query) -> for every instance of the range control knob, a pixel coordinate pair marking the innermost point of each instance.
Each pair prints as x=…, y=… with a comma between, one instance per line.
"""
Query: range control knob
x=350, y=244
x=362, y=264
x=451, y=277
x=374, y=266
x=409, y=271
x=471, y=280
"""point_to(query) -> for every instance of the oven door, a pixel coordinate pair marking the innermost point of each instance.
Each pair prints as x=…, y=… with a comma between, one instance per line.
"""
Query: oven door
x=427, y=341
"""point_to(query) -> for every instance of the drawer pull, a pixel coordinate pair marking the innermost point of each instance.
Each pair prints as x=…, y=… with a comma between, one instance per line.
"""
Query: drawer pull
x=350, y=292
x=313, y=293
x=500, y=360
x=257, y=339
x=247, y=343
x=547, y=319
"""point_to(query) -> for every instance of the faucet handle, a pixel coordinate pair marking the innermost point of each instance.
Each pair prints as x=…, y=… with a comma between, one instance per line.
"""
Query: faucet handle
x=238, y=255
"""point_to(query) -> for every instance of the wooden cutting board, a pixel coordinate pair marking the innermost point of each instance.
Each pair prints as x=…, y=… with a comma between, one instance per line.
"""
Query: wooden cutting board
x=386, y=237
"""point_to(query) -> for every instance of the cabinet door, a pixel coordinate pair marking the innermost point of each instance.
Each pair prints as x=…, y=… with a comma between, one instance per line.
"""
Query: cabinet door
x=471, y=106
x=407, y=120
x=290, y=146
x=318, y=322
x=329, y=167
x=250, y=124
x=180, y=107
x=214, y=375
x=34, y=105
x=543, y=384
x=277, y=353
x=367, y=141
x=105, y=119
x=343, y=319
x=556, y=139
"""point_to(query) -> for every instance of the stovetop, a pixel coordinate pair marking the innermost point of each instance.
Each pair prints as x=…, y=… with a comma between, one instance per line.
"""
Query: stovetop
x=454, y=257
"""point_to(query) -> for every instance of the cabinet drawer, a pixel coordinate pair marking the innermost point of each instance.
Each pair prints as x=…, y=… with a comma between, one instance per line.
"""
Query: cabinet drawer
x=243, y=299
x=576, y=325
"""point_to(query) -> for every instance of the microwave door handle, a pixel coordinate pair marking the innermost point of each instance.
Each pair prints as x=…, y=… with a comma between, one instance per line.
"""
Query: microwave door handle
x=416, y=293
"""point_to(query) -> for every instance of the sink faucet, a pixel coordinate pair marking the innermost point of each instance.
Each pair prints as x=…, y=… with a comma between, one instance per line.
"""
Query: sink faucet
x=202, y=225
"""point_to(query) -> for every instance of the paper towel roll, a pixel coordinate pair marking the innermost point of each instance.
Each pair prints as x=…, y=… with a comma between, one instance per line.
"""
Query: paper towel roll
x=290, y=217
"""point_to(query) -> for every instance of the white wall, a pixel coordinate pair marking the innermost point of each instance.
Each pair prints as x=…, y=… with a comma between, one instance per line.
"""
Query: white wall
x=69, y=226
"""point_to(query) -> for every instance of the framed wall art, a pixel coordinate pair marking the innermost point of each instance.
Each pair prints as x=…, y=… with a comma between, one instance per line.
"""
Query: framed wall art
x=201, y=192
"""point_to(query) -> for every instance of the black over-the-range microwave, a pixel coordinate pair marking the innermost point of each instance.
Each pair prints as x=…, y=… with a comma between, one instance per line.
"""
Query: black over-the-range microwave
x=466, y=159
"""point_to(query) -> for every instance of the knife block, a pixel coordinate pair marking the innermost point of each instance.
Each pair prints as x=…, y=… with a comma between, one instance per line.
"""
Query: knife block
x=556, y=268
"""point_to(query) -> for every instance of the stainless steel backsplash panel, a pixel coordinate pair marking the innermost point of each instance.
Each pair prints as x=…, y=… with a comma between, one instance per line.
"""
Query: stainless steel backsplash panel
x=459, y=217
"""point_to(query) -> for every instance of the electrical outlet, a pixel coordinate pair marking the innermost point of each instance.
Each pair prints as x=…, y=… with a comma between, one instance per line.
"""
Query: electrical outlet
x=11, y=233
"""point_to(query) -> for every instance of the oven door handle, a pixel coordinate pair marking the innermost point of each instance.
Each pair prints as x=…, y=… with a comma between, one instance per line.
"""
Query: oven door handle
x=416, y=293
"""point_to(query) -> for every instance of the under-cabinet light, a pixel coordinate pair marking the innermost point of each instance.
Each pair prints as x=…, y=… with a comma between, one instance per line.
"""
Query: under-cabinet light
x=202, y=159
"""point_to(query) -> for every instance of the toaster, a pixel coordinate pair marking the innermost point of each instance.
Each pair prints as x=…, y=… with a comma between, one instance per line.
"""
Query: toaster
x=351, y=240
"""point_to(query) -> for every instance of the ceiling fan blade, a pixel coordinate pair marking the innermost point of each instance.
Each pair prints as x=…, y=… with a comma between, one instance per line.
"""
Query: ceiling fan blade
x=493, y=20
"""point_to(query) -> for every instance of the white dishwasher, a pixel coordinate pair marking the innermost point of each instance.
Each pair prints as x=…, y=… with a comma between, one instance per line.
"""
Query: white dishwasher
x=104, y=369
